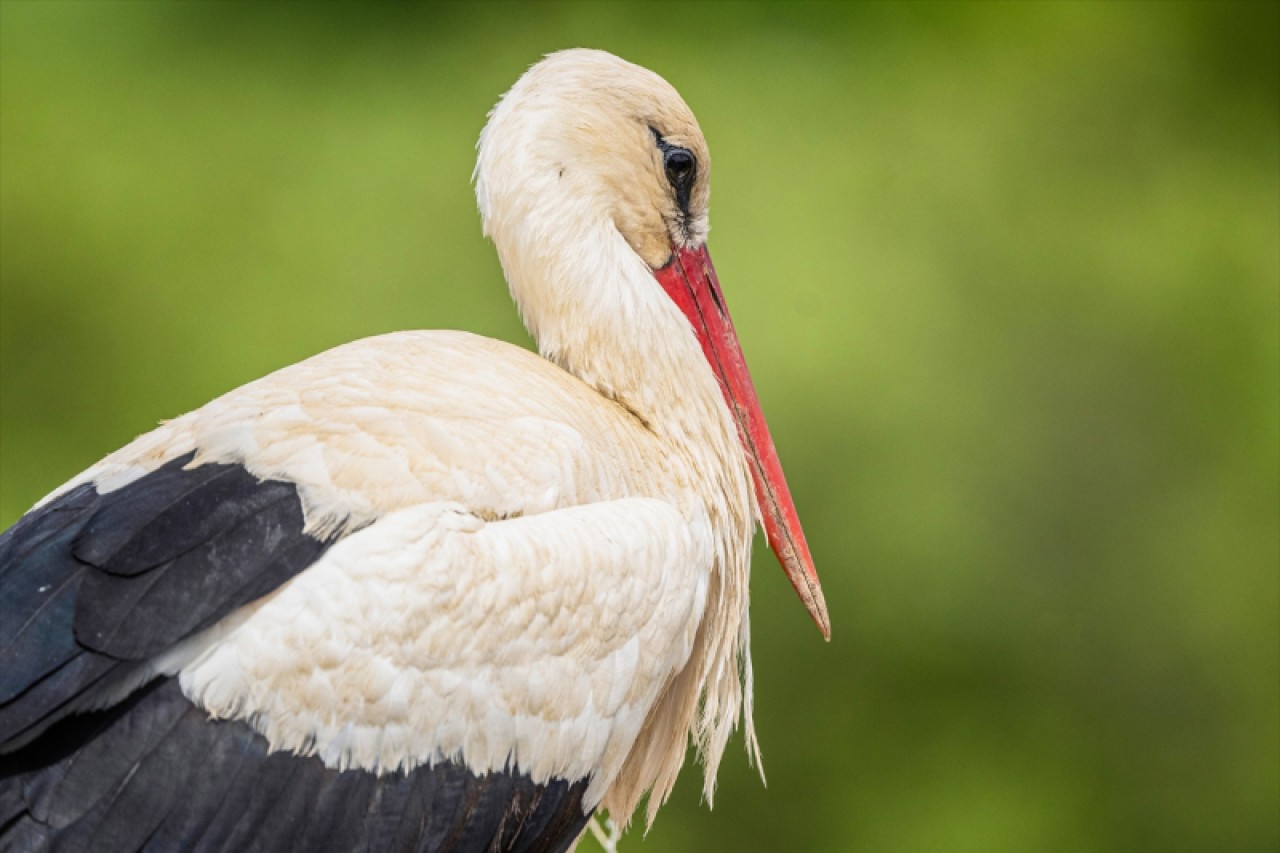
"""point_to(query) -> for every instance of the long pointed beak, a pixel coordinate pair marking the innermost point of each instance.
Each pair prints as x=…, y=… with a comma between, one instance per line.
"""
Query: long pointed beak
x=690, y=280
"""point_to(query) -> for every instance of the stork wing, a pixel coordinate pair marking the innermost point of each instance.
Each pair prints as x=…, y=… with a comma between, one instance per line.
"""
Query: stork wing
x=432, y=679
x=93, y=586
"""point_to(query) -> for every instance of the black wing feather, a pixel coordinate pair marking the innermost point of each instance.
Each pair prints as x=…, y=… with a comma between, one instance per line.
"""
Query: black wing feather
x=38, y=588
x=158, y=774
x=159, y=517
x=136, y=616
x=91, y=584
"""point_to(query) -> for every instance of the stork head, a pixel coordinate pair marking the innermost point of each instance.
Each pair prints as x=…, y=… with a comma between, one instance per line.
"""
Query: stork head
x=593, y=179
x=611, y=140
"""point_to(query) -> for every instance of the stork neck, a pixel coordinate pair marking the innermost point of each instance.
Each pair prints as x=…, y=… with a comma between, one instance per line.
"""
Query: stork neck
x=596, y=309
x=602, y=316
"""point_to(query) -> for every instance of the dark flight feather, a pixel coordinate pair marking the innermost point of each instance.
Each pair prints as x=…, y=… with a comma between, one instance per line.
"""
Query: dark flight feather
x=156, y=774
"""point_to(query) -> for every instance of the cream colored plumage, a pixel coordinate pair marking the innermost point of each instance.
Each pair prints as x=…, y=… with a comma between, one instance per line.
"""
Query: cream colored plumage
x=547, y=560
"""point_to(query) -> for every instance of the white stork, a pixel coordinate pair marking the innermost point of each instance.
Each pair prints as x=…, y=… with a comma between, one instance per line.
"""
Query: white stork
x=424, y=591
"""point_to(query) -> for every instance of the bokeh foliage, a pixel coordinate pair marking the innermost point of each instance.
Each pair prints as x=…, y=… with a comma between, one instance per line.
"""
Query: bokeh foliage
x=1008, y=276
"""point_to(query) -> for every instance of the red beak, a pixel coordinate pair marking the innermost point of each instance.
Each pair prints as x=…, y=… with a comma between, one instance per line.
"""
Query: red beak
x=690, y=280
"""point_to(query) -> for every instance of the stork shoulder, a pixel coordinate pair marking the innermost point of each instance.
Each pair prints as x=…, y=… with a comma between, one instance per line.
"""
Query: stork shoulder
x=404, y=419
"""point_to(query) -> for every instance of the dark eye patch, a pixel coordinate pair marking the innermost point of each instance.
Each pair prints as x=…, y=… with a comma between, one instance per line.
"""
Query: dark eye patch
x=681, y=168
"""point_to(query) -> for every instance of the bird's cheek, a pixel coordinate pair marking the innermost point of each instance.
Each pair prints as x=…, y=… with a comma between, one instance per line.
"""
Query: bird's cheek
x=645, y=231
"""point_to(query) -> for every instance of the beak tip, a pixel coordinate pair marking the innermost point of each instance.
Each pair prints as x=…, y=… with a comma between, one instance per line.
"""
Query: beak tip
x=815, y=602
x=820, y=617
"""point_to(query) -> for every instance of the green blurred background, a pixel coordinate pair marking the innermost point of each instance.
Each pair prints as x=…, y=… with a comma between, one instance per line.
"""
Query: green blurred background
x=1007, y=275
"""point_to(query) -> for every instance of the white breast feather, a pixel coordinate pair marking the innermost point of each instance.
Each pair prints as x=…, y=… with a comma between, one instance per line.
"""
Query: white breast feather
x=537, y=642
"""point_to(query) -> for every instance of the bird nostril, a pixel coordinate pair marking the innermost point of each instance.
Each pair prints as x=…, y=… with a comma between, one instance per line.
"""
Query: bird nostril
x=715, y=294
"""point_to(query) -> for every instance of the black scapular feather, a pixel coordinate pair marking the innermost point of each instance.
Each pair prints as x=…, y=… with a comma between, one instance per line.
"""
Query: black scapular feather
x=92, y=585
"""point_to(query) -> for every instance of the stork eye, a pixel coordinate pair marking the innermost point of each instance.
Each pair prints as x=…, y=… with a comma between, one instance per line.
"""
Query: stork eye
x=680, y=167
